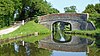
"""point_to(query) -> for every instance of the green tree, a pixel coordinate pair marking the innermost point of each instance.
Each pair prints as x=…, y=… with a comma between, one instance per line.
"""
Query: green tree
x=11, y=10
x=17, y=7
x=97, y=8
x=6, y=12
x=90, y=9
x=35, y=8
x=25, y=9
x=94, y=14
x=53, y=10
x=70, y=9
x=39, y=7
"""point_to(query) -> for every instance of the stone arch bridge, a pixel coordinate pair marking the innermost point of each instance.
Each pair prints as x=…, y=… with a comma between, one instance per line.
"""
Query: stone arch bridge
x=77, y=21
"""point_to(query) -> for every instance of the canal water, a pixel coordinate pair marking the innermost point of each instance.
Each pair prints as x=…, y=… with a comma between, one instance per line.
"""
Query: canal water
x=25, y=48
x=31, y=49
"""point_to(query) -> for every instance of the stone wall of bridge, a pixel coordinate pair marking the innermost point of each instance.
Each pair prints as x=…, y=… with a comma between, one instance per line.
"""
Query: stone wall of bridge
x=76, y=25
x=78, y=21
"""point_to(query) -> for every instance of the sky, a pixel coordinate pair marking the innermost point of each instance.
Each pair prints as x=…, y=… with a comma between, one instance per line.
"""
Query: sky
x=80, y=4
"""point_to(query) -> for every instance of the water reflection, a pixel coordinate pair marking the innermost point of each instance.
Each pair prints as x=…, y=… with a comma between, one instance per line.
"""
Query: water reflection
x=62, y=53
x=17, y=49
x=94, y=51
x=31, y=49
x=27, y=49
x=77, y=44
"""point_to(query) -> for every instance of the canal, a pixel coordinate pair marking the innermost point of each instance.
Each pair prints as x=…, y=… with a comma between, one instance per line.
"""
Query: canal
x=27, y=47
x=58, y=43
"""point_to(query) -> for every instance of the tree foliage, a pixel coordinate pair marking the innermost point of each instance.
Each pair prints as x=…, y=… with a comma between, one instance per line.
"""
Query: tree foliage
x=40, y=7
x=90, y=9
x=6, y=7
x=97, y=8
x=94, y=13
x=11, y=10
x=70, y=9
x=35, y=8
x=6, y=12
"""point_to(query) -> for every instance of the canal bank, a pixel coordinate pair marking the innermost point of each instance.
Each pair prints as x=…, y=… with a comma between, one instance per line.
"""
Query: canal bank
x=29, y=29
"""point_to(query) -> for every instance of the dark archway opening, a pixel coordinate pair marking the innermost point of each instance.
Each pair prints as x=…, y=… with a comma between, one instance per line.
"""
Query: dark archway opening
x=58, y=31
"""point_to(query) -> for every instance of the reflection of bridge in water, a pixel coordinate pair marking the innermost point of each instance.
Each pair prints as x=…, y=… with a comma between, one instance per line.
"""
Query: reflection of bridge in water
x=75, y=45
x=72, y=22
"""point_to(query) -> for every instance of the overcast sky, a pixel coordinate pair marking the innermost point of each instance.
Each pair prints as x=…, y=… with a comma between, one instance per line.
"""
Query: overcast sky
x=80, y=4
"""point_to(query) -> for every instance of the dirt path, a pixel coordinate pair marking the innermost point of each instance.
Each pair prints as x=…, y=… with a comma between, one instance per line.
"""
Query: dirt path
x=8, y=30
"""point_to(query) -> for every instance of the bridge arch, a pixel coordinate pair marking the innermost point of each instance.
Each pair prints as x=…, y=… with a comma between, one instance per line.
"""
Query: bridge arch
x=58, y=31
x=63, y=25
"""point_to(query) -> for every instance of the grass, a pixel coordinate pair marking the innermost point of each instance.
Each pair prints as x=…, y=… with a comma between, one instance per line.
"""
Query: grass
x=28, y=28
x=85, y=32
x=5, y=27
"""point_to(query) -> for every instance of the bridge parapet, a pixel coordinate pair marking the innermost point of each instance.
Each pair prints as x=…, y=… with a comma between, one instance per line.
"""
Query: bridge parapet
x=63, y=16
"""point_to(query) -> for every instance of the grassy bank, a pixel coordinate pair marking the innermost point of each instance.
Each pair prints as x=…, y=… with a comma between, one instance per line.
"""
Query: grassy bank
x=86, y=32
x=28, y=28
x=5, y=27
